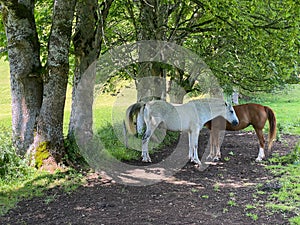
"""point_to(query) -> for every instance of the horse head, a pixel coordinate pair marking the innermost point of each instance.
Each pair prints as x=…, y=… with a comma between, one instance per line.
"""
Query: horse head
x=231, y=116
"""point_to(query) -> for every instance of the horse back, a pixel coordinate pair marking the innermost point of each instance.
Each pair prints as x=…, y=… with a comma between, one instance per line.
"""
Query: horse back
x=258, y=115
x=181, y=117
x=248, y=114
x=163, y=113
x=220, y=123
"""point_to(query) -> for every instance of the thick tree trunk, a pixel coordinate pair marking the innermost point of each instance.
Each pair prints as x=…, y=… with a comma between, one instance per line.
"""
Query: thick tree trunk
x=24, y=59
x=49, y=141
x=87, y=43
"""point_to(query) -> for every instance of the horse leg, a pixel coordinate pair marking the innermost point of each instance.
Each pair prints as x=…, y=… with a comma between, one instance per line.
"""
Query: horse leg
x=190, y=147
x=211, y=146
x=261, y=153
x=145, y=143
x=196, y=157
x=217, y=148
x=214, y=141
x=151, y=126
x=193, y=143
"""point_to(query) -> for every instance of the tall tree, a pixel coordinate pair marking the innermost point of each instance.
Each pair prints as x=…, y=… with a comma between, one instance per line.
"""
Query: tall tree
x=88, y=37
x=25, y=70
x=163, y=21
x=38, y=93
x=49, y=133
x=152, y=17
x=253, y=46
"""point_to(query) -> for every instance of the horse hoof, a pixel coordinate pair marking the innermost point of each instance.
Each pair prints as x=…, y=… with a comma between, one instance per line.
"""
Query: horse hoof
x=209, y=157
x=216, y=159
x=197, y=162
x=197, y=165
x=258, y=159
x=147, y=160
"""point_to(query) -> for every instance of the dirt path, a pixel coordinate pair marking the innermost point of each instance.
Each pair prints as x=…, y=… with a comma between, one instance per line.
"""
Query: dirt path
x=226, y=193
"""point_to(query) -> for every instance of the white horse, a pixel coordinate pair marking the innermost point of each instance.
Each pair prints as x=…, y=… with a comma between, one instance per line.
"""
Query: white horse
x=189, y=117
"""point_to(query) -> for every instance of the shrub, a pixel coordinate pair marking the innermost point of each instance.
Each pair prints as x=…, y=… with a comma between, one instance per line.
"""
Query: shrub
x=11, y=165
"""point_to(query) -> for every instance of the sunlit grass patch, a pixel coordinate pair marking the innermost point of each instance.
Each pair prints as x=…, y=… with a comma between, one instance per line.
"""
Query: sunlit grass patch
x=19, y=181
x=114, y=146
x=5, y=100
x=295, y=220
x=288, y=169
x=35, y=183
x=286, y=105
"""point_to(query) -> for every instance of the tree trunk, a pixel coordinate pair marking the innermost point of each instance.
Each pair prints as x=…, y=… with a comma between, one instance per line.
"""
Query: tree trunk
x=48, y=142
x=176, y=93
x=177, y=86
x=153, y=19
x=87, y=43
x=151, y=83
x=25, y=66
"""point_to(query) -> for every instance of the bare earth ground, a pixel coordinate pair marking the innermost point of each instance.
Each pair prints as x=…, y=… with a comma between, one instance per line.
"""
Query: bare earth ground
x=221, y=194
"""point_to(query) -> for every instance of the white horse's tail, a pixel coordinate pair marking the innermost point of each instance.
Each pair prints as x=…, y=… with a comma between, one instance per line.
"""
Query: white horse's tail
x=134, y=111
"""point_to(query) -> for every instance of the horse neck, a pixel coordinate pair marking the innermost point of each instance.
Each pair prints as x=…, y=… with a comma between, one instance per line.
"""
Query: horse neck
x=215, y=109
x=213, y=116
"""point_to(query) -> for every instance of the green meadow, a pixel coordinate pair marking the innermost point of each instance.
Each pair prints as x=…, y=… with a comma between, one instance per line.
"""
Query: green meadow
x=5, y=100
x=286, y=104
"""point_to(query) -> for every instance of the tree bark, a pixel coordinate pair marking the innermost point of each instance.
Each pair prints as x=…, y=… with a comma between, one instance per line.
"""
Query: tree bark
x=49, y=136
x=153, y=18
x=25, y=67
x=151, y=82
x=87, y=41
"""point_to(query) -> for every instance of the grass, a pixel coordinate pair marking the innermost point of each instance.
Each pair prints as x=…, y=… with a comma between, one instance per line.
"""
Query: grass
x=287, y=168
x=253, y=216
x=35, y=183
x=295, y=220
x=232, y=201
x=286, y=200
x=5, y=100
x=18, y=181
x=286, y=105
x=115, y=145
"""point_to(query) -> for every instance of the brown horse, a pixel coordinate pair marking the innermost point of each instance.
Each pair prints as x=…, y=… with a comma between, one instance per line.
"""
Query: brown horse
x=248, y=114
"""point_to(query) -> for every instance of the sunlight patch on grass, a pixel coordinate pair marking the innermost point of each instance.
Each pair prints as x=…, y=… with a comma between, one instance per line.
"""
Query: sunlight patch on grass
x=34, y=184
x=286, y=105
x=288, y=169
x=5, y=100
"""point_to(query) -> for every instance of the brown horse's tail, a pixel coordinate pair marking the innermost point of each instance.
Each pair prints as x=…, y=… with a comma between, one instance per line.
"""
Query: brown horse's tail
x=132, y=111
x=272, y=126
